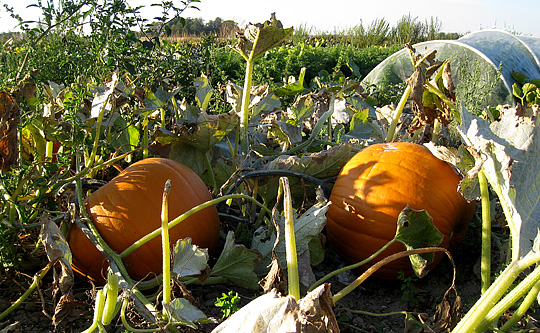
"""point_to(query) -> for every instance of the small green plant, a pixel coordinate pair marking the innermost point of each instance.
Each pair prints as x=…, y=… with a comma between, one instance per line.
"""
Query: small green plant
x=227, y=303
x=408, y=289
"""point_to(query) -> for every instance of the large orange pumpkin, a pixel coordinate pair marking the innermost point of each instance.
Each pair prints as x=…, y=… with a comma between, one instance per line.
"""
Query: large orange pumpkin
x=129, y=207
x=376, y=185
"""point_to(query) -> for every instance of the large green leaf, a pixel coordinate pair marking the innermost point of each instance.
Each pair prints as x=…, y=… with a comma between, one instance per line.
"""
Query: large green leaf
x=181, y=311
x=237, y=263
x=258, y=38
x=203, y=92
x=293, y=86
x=261, y=99
x=204, y=134
x=415, y=230
x=322, y=165
x=507, y=151
x=307, y=227
x=188, y=259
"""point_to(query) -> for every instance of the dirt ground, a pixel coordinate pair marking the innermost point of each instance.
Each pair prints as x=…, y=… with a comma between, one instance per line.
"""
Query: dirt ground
x=417, y=296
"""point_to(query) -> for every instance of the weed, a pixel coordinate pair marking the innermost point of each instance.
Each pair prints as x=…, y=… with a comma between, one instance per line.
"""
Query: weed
x=408, y=289
x=227, y=303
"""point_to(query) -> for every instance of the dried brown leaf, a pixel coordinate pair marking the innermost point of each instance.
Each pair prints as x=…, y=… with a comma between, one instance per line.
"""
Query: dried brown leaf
x=10, y=117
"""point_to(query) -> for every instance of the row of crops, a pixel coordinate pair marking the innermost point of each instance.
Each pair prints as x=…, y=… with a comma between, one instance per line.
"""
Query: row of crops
x=227, y=153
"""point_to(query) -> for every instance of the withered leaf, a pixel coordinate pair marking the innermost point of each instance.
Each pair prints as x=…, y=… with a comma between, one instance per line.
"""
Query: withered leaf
x=10, y=116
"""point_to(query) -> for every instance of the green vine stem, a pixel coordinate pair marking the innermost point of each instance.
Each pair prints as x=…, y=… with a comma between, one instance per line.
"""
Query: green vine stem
x=523, y=307
x=345, y=291
x=111, y=291
x=98, y=313
x=524, y=287
x=485, y=261
x=374, y=314
x=346, y=268
x=208, y=165
x=37, y=279
x=437, y=126
x=128, y=326
x=246, y=97
x=390, y=136
x=476, y=315
x=514, y=235
x=293, y=279
x=187, y=214
x=165, y=241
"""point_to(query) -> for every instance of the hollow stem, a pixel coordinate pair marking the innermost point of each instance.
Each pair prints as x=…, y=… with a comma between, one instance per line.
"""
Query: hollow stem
x=244, y=111
x=477, y=314
x=523, y=307
x=390, y=136
x=293, y=280
x=166, y=244
x=524, y=287
x=485, y=261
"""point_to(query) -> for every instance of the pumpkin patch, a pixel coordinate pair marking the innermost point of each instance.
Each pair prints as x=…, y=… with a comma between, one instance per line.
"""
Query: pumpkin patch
x=129, y=207
x=376, y=185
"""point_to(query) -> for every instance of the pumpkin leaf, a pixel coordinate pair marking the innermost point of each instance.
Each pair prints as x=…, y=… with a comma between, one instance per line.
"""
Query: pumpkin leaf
x=57, y=248
x=259, y=38
x=159, y=99
x=189, y=156
x=181, y=311
x=261, y=99
x=207, y=131
x=203, y=92
x=192, y=141
x=340, y=114
x=507, y=150
x=302, y=108
x=274, y=313
x=415, y=230
x=189, y=259
x=292, y=134
x=324, y=164
x=237, y=263
x=102, y=98
x=307, y=228
x=293, y=86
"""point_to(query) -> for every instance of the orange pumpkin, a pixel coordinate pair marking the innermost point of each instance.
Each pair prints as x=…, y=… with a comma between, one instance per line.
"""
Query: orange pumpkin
x=376, y=185
x=129, y=207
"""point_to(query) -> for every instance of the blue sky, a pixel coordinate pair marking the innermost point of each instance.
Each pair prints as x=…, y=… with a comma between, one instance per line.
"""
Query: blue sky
x=337, y=15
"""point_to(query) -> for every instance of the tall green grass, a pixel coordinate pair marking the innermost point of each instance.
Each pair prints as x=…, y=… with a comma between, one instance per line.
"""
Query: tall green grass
x=379, y=32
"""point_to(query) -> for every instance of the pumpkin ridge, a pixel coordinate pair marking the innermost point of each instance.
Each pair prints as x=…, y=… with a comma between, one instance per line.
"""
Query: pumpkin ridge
x=374, y=187
x=430, y=181
x=139, y=190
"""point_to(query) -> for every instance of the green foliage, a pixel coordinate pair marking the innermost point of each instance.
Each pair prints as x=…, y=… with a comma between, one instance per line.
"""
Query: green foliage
x=525, y=91
x=476, y=85
x=379, y=32
x=408, y=289
x=227, y=303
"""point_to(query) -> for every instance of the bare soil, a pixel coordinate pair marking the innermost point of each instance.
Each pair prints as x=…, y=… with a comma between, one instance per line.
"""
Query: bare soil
x=419, y=297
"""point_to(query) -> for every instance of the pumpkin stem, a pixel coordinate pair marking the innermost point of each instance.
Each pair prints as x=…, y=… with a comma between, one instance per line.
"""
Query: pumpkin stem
x=346, y=268
x=343, y=292
x=166, y=244
x=390, y=136
x=485, y=261
x=290, y=241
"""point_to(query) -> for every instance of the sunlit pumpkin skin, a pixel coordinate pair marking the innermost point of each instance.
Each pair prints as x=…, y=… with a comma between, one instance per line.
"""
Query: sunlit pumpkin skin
x=129, y=207
x=374, y=187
